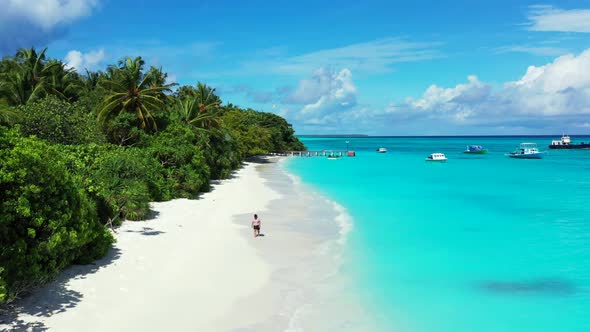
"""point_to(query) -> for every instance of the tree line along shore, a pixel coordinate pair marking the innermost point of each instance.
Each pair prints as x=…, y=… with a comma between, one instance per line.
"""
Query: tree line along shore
x=81, y=153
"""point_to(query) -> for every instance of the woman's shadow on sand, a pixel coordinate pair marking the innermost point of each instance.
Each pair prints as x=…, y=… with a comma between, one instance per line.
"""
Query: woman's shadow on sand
x=51, y=299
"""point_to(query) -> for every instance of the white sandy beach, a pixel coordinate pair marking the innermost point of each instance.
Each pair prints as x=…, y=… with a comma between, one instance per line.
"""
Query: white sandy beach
x=180, y=271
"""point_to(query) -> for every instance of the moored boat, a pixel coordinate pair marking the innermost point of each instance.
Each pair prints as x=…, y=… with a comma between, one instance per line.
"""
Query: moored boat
x=381, y=150
x=475, y=149
x=333, y=156
x=566, y=143
x=527, y=151
x=437, y=157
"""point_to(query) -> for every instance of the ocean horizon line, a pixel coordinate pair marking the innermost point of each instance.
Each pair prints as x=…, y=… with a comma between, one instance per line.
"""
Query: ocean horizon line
x=437, y=136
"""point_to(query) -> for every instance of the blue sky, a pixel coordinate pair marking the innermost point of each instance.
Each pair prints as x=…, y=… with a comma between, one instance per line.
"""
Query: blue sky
x=373, y=67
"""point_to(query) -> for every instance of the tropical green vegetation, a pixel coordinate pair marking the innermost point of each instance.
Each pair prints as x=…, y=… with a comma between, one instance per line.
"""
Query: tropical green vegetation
x=81, y=153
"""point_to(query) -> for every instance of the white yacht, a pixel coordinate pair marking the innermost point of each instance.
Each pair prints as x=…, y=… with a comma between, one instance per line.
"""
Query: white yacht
x=437, y=157
x=527, y=151
x=382, y=150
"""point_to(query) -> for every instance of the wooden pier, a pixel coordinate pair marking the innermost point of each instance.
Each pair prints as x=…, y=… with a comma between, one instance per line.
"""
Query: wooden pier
x=322, y=153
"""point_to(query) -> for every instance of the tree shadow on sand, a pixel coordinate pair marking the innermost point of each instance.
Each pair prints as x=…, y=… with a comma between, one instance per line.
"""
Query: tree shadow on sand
x=54, y=298
x=152, y=215
x=216, y=182
x=260, y=160
x=148, y=231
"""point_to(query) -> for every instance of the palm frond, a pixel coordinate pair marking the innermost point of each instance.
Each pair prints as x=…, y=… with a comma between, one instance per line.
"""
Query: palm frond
x=8, y=115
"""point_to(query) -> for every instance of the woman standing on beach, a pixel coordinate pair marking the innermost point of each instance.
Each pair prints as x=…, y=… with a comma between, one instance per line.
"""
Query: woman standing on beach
x=256, y=225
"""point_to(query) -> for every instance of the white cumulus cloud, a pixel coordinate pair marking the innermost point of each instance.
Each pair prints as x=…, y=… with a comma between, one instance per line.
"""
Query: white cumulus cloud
x=323, y=96
x=558, y=88
x=37, y=22
x=46, y=13
x=557, y=93
x=81, y=61
x=460, y=100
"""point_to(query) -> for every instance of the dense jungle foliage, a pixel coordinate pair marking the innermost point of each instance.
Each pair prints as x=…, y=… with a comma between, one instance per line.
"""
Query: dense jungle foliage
x=80, y=153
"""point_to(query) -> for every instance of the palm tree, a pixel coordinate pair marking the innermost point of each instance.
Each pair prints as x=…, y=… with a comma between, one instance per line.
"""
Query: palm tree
x=157, y=76
x=129, y=90
x=28, y=77
x=208, y=100
x=35, y=72
x=92, y=79
x=188, y=111
x=200, y=108
x=13, y=87
x=62, y=82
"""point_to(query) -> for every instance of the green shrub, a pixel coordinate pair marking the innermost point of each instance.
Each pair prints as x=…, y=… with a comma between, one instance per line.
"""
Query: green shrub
x=47, y=221
x=123, y=130
x=122, y=181
x=124, y=166
x=251, y=139
x=3, y=290
x=221, y=152
x=186, y=170
x=59, y=122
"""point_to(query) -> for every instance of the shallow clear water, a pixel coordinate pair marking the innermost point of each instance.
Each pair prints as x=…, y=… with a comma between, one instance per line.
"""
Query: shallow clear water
x=479, y=243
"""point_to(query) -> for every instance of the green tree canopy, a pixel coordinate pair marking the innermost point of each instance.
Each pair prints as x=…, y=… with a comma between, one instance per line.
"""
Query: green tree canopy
x=59, y=122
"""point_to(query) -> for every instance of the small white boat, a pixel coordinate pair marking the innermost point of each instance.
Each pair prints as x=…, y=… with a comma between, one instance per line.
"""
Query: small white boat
x=382, y=150
x=437, y=157
x=527, y=151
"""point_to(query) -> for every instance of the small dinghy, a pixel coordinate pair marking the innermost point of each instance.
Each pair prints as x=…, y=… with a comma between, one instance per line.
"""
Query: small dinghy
x=437, y=157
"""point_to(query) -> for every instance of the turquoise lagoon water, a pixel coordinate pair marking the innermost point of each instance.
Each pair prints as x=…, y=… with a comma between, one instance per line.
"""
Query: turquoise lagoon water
x=480, y=243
